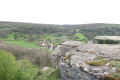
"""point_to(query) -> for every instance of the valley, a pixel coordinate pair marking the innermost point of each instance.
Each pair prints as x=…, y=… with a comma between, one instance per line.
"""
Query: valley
x=31, y=45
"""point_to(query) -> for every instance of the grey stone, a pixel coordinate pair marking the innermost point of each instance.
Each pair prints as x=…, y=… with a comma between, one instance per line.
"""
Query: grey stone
x=108, y=38
x=74, y=67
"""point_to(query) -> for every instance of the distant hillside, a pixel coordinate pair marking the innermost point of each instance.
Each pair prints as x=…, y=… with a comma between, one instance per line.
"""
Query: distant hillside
x=34, y=43
x=19, y=24
x=89, y=30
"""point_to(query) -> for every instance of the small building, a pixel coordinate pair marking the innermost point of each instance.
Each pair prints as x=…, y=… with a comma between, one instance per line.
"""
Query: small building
x=107, y=40
x=41, y=44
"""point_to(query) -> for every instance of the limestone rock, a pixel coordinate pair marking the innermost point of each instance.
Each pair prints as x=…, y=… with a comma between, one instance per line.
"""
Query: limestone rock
x=107, y=39
x=73, y=62
x=72, y=43
x=44, y=69
x=61, y=50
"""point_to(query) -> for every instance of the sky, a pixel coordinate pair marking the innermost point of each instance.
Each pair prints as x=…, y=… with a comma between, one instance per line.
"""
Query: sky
x=60, y=11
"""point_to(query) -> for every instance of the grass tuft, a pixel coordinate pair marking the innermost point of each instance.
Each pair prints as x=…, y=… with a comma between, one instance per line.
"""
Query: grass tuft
x=97, y=61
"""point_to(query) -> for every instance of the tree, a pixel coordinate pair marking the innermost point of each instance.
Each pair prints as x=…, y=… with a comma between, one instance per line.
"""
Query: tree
x=11, y=69
x=26, y=70
x=8, y=66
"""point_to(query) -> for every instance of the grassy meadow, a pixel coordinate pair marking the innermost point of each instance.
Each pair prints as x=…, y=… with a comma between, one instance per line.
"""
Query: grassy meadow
x=21, y=39
x=22, y=43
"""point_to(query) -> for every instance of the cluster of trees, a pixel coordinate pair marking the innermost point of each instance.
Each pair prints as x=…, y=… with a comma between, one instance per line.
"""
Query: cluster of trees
x=98, y=29
x=4, y=33
x=11, y=69
x=29, y=28
x=89, y=30
x=106, y=31
x=40, y=57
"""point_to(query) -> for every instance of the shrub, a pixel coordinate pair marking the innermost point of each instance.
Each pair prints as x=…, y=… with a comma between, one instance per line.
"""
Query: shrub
x=8, y=66
x=50, y=74
x=55, y=75
x=10, y=69
x=26, y=70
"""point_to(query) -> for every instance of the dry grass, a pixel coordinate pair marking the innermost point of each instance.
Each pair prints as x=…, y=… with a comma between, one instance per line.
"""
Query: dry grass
x=97, y=61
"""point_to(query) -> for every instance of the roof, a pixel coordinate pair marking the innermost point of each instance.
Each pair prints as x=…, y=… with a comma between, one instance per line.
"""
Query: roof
x=40, y=43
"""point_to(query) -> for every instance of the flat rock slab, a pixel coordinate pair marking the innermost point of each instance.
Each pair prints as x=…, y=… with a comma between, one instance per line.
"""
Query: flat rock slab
x=72, y=43
x=109, y=51
x=86, y=62
x=113, y=38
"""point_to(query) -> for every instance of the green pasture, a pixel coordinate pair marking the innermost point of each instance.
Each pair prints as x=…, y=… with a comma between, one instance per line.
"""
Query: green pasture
x=22, y=43
x=80, y=36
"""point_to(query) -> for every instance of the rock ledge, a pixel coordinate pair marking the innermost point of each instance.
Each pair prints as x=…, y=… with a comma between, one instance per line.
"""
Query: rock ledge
x=80, y=62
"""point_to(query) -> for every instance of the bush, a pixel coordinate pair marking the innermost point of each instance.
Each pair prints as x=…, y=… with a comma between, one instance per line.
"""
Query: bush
x=11, y=69
x=55, y=75
x=26, y=70
x=50, y=74
x=8, y=66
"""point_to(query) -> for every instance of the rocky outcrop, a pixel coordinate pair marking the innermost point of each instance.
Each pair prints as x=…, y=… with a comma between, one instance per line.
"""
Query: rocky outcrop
x=85, y=62
x=61, y=50
x=107, y=39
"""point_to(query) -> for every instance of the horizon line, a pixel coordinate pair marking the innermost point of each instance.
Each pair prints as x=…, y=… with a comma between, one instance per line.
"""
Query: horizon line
x=58, y=24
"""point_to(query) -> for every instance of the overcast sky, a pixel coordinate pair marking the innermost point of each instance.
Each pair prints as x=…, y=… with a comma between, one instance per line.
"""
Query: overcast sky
x=60, y=11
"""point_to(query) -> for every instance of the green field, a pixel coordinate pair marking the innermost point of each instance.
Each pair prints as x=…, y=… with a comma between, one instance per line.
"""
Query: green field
x=19, y=42
x=80, y=36
x=5, y=28
x=55, y=40
x=23, y=43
